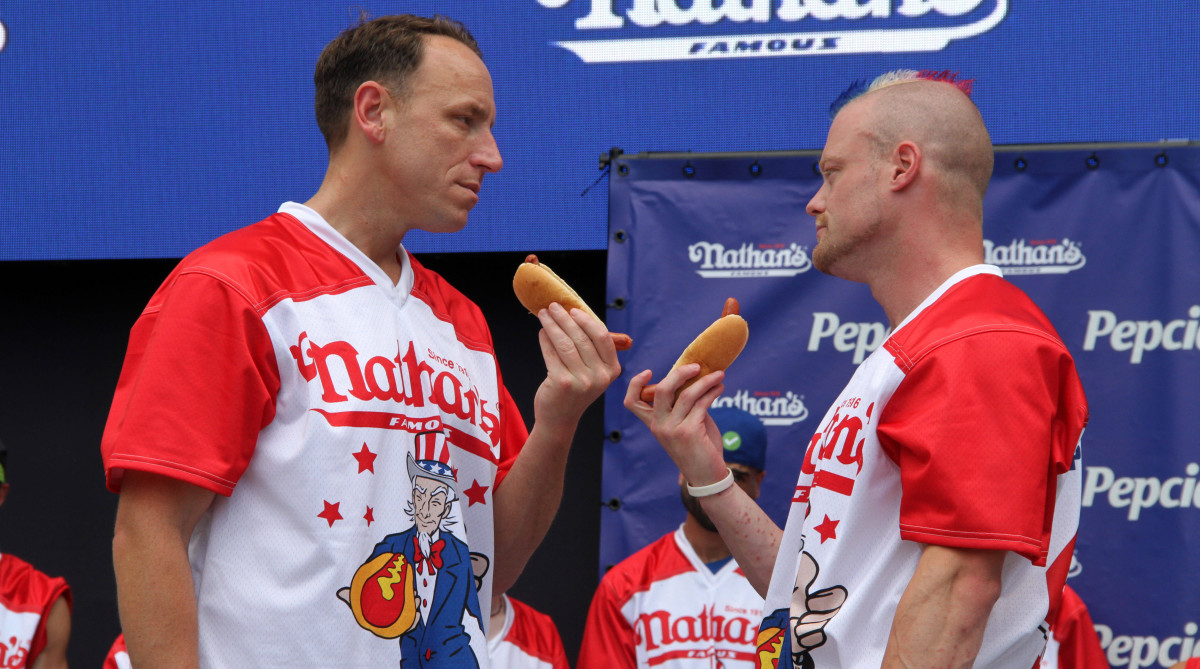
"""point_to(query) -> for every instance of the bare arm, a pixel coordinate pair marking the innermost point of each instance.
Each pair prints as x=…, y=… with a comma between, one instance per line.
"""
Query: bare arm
x=155, y=593
x=58, y=631
x=581, y=362
x=945, y=608
x=690, y=437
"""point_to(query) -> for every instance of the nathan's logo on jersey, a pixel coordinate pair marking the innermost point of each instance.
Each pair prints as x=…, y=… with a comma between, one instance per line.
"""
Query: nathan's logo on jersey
x=1148, y=651
x=772, y=407
x=862, y=338
x=1138, y=337
x=1039, y=256
x=13, y=651
x=659, y=629
x=716, y=261
x=835, y=455
x=1139, y=493
x=650, y=30
x=402, y=378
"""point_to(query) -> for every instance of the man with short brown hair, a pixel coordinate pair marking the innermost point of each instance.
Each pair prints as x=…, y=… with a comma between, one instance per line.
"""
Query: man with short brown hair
x=284, y=375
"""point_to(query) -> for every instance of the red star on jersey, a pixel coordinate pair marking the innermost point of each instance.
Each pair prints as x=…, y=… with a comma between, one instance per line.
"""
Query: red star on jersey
x=475, y=493
x=330, y=513
x=366, y=460
x=369, y=516
x=827, y=528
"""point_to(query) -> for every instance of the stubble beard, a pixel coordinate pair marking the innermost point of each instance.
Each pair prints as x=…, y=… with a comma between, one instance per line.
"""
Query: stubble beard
x=693, y=507
x=829, y=252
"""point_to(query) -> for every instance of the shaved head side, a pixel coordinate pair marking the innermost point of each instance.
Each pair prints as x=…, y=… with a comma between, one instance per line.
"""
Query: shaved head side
x=940, y=119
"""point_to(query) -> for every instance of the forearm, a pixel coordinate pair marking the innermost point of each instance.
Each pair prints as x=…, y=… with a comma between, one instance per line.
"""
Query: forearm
x=528, y=499
x=750, y=534
x=945, y=608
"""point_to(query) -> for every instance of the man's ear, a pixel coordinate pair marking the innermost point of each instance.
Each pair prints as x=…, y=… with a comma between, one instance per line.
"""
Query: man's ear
x=3, y=492
x=369, y=102
x=906, y=163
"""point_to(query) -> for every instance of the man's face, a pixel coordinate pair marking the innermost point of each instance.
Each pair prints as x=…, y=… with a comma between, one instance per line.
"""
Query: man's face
x=748, y=478
x=439, y=141
x=430, y=503
x=847, y=207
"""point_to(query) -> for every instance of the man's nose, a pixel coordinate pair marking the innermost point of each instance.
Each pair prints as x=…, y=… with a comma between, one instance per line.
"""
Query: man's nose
x=488, y=155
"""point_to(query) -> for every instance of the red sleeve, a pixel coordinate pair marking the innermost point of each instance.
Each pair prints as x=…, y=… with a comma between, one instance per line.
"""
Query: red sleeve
x=1193, y=663
x=110, y=662
x=1079, y=645
x=198, y=384
x=981, y=426
x=535, y=633
x=609, y=641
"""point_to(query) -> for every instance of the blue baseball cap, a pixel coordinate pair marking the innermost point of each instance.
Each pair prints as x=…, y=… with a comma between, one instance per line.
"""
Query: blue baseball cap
x=743, y=436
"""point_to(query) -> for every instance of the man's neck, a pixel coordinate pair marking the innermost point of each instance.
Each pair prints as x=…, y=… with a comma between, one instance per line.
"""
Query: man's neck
x=709, y=546
x=364, y=220
x=496, y=623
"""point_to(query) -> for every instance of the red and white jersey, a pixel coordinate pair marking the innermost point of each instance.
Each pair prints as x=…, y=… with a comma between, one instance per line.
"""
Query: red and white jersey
x=26, y=596
x=962, y=430
x=528, y=640
x=1073, y=642
x=663, y=607
x=281, y=368
x=118, y=657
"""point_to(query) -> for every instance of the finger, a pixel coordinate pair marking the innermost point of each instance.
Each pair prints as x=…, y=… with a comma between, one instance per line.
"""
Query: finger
x=554, y=364
x=565, y=334
x=664, y=395
x=599, y=339
x=634, y=399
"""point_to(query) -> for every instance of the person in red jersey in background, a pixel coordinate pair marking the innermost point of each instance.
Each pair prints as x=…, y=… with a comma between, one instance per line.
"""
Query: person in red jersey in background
x=1073, y=642
x=686, y=580
x=521, y=637
x=35, y=609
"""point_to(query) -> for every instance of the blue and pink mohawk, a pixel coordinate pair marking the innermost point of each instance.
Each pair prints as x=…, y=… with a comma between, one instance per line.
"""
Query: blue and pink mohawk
x=861, y=86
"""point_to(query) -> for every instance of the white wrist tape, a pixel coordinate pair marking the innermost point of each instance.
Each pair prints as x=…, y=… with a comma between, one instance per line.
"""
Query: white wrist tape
x=712, y=488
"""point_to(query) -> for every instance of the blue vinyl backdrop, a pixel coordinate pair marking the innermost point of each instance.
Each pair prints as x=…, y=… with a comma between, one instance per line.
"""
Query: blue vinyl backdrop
x=145, y=128
x=1106, y=241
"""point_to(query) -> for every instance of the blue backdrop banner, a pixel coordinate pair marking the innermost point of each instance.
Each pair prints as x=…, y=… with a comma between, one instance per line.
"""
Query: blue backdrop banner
x=1104, y=239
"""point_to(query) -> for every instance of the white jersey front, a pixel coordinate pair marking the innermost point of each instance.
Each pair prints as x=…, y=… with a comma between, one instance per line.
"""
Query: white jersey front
x=663, y=607
x=962, y=431
x=329, y=408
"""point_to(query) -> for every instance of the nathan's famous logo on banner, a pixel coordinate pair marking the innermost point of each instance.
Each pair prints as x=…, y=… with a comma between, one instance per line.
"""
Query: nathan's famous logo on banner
x=717, y=261
x=1138, y=493
x=651, y=30
x=862, y=338
x=1124, y=650
x=1039, y=256
x=1138, y=337
x=772, y=407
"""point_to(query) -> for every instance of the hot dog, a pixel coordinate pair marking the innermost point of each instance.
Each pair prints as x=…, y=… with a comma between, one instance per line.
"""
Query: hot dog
x=714, y=349
x=537, y=286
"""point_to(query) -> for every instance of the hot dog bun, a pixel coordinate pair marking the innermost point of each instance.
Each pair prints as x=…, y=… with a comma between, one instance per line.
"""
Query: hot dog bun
x=537, y=286
x=714, y=349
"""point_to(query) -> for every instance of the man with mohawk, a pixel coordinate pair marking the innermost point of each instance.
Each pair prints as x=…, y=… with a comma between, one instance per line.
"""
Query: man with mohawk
x=935, y=511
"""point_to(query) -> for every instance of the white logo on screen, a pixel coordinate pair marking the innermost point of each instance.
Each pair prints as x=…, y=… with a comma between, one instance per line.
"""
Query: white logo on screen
x=771, y=407
x=1148, y=651
x=862, y=338
x=1138, y=493
x=1042, y=256
x=718, y=261
x=774, y=34
x=1139, y=337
